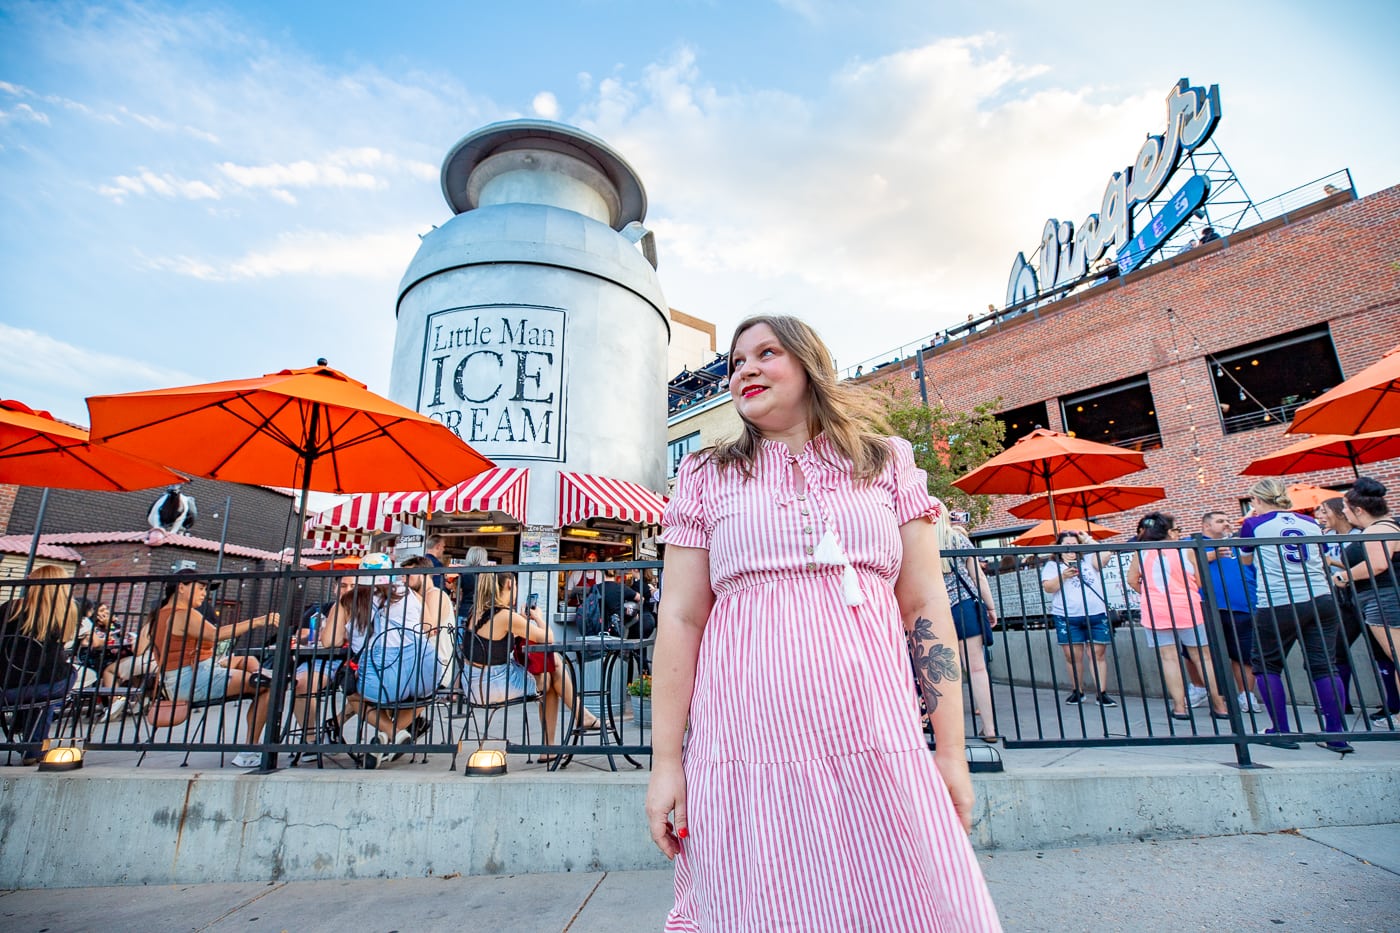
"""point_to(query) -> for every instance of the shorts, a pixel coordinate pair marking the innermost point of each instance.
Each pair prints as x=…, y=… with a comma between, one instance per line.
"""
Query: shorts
x=1082, y=629
x=970, y=619
x=1380, y=607
x=1239, y=635
x=1193, y=637
x=497, y=683
x=207, y=680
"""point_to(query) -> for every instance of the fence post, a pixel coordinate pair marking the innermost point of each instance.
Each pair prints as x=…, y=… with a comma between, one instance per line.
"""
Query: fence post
x=1219, y=656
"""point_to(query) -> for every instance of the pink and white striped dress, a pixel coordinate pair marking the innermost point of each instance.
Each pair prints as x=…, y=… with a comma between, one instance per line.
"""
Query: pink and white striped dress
x=813, y=802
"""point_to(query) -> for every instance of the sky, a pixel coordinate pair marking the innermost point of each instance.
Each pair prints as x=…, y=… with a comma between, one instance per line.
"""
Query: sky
x=202, y=191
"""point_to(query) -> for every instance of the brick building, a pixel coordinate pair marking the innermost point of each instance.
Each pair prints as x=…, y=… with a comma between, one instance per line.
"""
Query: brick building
x=1198, y=361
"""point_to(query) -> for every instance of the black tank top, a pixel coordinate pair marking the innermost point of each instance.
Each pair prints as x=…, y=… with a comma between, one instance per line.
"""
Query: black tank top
x=484, y=653
x=1355, y=553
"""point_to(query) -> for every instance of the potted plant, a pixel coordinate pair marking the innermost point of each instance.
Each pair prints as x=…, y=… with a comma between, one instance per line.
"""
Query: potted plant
x=639, y=699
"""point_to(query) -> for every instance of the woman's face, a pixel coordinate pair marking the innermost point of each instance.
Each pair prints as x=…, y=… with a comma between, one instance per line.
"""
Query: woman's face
x=767, y=382
x=104, y=615
x=1357, y=517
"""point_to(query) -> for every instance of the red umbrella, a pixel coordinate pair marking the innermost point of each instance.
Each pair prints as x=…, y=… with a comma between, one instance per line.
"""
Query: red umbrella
x=1368, y=401
x=1046, y=532
x=1092, y=500
x=1327, y=452
x=1043, y=460
x=36, y=449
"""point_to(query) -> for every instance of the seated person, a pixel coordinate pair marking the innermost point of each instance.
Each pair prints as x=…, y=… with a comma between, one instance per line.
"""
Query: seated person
x=184, y=644
x=439, y=615
x=34, y=666
x=624, y=609
x=313, y=677
x=491, y=674
x=396, y=663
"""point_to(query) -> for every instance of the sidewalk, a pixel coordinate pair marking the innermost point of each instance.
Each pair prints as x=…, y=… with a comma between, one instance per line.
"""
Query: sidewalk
x=1342, y=878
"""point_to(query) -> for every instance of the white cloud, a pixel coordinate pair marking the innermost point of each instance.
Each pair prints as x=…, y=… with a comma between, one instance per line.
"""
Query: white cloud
x=46, y=372
x=25, y=113
x=383, y=255
x=165, y=185
x=545, y=105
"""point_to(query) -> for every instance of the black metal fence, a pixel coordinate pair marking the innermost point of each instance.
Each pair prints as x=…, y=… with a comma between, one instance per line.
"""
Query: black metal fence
x=1094, y=645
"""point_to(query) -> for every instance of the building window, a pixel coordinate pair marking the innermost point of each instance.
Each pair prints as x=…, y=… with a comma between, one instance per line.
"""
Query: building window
x=1121, y=413
x=677, y=449
x=1262, y=384
x=1021, y=421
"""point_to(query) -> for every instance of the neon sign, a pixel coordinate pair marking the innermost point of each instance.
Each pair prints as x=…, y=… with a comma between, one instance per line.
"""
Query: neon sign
x=1066, y=253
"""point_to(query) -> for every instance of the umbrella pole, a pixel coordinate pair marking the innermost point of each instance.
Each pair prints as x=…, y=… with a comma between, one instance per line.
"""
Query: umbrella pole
x=284, y=623
x=1050, y=493
x=223, y=535
x=1353, y=458
x=38, y=527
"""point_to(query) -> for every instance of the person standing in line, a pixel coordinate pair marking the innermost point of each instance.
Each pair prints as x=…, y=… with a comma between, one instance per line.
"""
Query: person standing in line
x=802, y=572
x=1294, y=603
x=1170, y=585
x=1331, y=518
x=1080, y=612
x=1370, y=567
x=1232, y=585
x=435, y=550
x=973, y=614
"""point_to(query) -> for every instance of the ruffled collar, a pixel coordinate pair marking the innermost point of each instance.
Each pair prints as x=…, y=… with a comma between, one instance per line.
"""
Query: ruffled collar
x=821, y=464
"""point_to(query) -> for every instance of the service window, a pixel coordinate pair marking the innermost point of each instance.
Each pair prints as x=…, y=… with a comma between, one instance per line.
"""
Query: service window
x=1021, y=421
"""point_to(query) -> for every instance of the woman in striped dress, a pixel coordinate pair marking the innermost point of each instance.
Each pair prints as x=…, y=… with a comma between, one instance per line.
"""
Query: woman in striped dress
x=802, y=570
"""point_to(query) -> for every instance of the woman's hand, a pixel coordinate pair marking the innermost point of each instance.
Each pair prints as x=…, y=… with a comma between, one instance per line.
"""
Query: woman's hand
x=952, y=765
x=666, y=795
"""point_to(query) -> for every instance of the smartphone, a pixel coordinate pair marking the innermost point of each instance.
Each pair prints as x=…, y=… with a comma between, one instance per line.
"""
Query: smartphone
x=533, y=602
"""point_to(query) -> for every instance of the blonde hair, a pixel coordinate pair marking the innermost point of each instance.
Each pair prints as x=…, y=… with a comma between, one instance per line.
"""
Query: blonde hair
x=48, y=613
x=1272, y=492
x=944, y=528
x=845, y=413
x=490, y=592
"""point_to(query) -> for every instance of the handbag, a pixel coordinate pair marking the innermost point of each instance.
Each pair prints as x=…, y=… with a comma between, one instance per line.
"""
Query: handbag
x=987, y=638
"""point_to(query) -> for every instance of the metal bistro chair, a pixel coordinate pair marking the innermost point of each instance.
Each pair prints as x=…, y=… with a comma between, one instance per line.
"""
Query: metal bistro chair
x=18, y=719
x=201, y=729
x=472, y=708
x=424, y=724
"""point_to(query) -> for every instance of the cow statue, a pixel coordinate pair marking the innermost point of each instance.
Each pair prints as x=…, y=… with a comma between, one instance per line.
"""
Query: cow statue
x=173, y=512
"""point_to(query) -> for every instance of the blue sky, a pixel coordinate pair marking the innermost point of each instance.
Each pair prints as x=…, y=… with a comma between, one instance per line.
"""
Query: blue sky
x=202, y=191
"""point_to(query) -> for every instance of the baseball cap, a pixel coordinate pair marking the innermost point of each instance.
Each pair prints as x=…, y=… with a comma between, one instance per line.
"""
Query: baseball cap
x=376, y=562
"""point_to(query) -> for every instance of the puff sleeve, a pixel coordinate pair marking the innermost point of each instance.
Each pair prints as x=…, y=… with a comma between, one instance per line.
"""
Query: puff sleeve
x=685, y=522
x=911, y=496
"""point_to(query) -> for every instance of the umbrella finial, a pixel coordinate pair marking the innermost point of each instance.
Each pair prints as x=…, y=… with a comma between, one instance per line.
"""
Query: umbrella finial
x=321, y=361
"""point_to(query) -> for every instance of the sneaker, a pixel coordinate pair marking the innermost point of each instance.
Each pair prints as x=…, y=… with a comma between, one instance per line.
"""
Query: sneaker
x=1106, y=700
x=1198, y=696
x=115, y=709
x=403, y=738
x=1075, y=698
x=421, y=726
x=247, y=760
x=370, y=760
x=1383, y=716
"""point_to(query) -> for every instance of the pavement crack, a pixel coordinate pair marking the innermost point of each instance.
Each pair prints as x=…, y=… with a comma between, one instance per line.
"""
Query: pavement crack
x=237, y=907
x=591, y=892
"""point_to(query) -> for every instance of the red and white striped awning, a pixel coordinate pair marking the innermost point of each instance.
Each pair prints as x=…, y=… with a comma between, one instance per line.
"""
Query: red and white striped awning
x=362, y=515
x=503, y=489
x=583, y=496
x=339, y=541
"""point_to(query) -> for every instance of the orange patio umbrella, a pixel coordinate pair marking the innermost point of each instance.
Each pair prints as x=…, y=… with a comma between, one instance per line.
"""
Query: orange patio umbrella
x=1306, y=497
x=1047, y=531
x=36, y=449
x=1368, y=401
x=313, y=428
x=345, y=562
x=1092, y=500
x=1044, y=460
x=1326, y=452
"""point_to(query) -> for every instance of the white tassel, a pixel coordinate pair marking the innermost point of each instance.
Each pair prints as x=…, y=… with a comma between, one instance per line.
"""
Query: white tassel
x=850, y=587
x=829, y=552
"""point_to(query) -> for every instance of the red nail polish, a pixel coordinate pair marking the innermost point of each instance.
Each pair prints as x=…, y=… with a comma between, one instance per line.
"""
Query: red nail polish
x=682, y=833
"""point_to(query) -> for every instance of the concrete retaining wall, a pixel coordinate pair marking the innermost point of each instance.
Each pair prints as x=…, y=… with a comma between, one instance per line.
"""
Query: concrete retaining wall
x=160, y=828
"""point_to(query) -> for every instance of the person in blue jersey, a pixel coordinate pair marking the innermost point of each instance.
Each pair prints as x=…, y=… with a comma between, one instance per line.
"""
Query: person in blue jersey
x=1294, y=603
x=1232, y=585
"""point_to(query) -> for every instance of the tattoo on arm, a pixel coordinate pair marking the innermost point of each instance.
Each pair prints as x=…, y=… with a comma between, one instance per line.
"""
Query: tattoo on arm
x=934, y=662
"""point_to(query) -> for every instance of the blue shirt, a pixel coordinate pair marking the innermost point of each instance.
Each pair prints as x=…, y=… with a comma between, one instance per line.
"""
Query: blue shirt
x=1231, y=582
